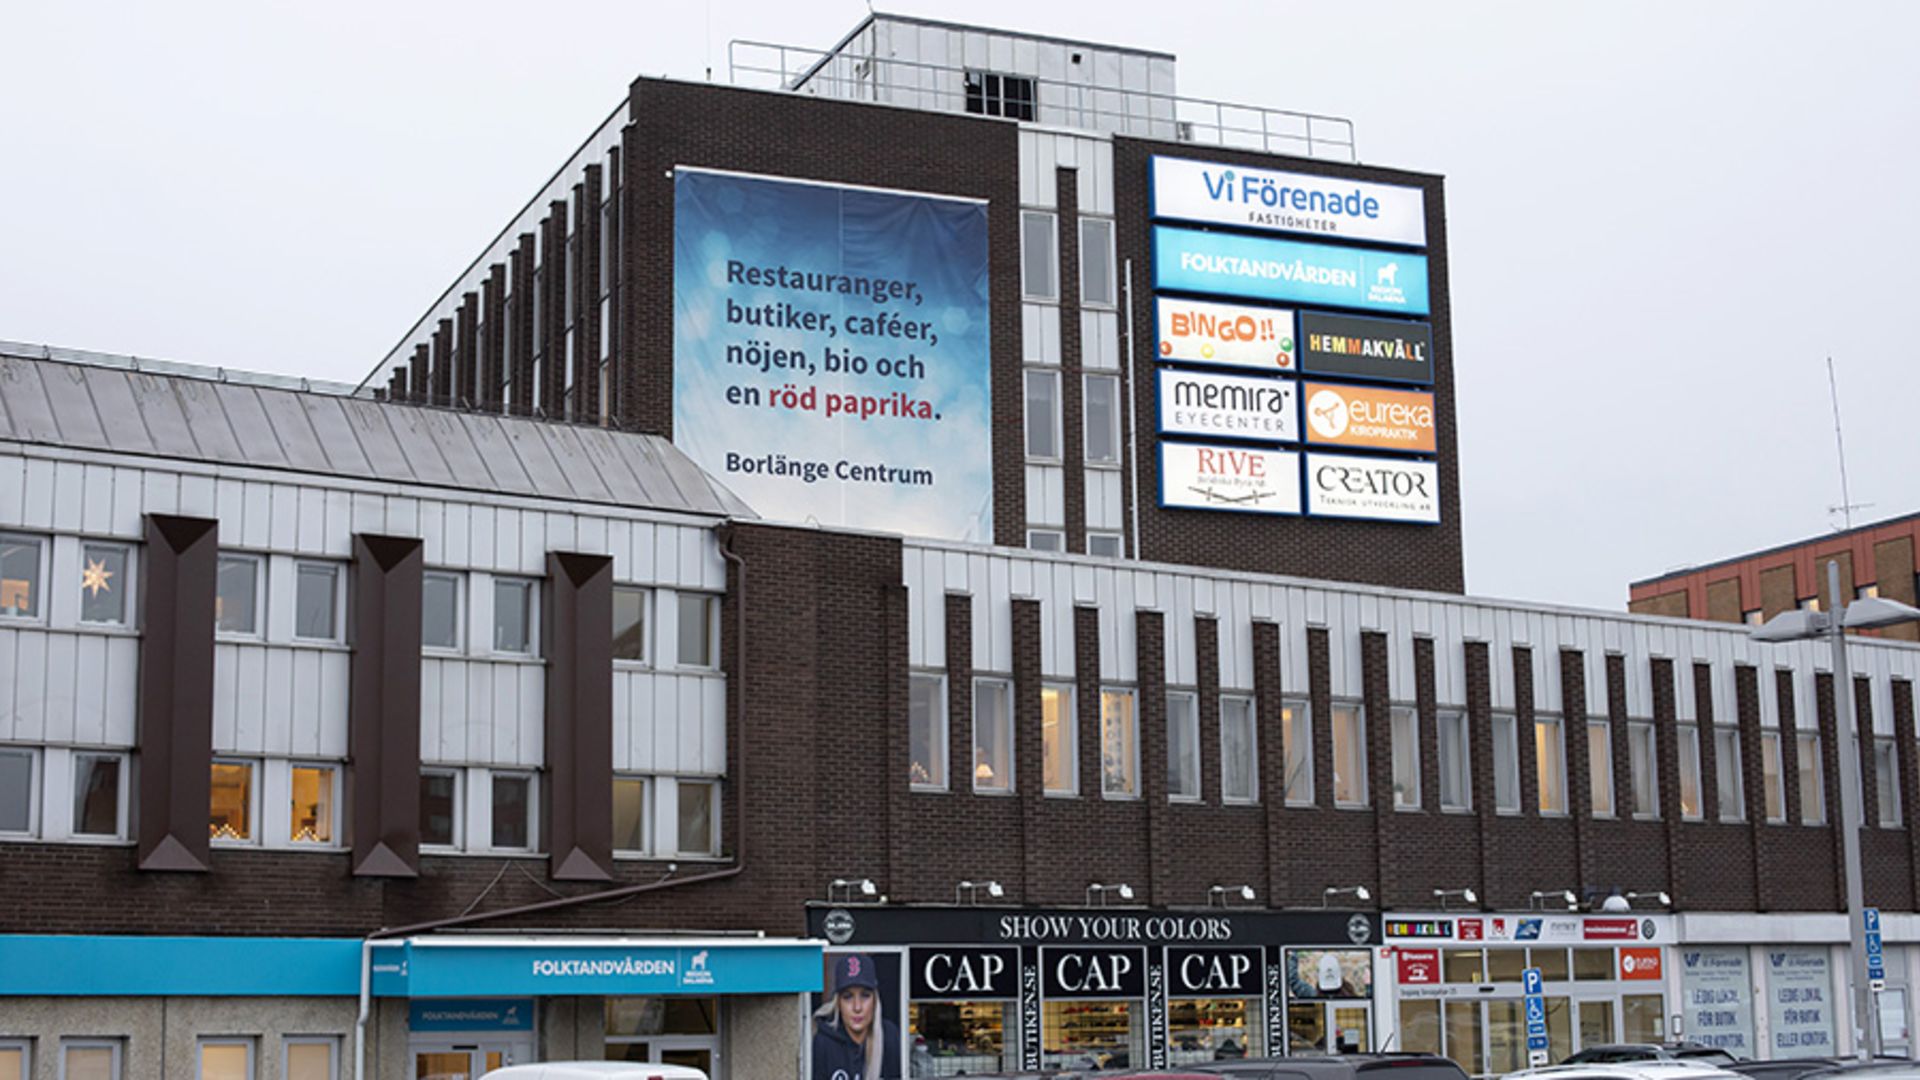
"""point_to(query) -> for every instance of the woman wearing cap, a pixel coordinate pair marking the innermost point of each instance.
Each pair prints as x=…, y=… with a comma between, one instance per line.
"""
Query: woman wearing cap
x=851, y=1039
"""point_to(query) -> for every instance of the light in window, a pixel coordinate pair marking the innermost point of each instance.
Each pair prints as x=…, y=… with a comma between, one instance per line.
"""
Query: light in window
x=696, y=818
x=104, y=584
x=1689, y=765
x=927, y=731
x=1643, y=760
x=96, y=794
x=91, y=1060
x=1239, y=772
x=992, y=736
x=1773, y=789
x=226, y=1059
x=1726, y=767
x=1183, y=746
x=310, y=1059
x=1119, y=744
x=1349, y=756
x=629, y=623
x=316, y=601
x=1600, y=767
x=440, y=610
x=512, y=811
x=16, y=790
x=231, y=811
x=1813, y=787
x=1550, y=764
x=513, y=616
x=439, y=808
x=311, y=820
x=1059, y=756
x=696, y=629
x=236, y=594
x=629, y=814
x=19, y=575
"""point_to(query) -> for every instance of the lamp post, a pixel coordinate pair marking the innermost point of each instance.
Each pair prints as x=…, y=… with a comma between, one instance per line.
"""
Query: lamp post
x=1869, y=613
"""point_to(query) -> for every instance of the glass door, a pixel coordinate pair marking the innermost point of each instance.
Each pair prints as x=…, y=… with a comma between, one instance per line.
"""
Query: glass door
x=465, y=1061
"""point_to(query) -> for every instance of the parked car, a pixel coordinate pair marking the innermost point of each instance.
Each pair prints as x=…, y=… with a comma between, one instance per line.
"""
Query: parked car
x=1795, y=1068
x=594, y=1070
x=1673, y=1051
x=1878, y=1069
x=1325, y=1067
x=1656, y=1069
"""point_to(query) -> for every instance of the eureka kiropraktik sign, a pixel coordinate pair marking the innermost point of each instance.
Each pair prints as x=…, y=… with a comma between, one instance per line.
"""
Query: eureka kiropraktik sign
x=1369, y=416
x=1253, y=198
x=1350, y=347
x=1287, y=271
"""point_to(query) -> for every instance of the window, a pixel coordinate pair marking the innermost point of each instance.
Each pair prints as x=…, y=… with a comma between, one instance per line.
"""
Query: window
x=97, y=795
x=1106, y=545
x=230, y=815
x=311, y=1058
x=630, y=814
x=1643, y=764
x=697, y=835
x=992, y=735
x=1046, y=540
x=105, y=584
x=1773, y=788
x=1886, y=774
x=19, y=790
x=89, y=1059
x=1726, y=767
x=1406, y=758
x=1756, y=617
x=1043, y=415
x=698, y=629
x=312, y=816
x=1039, y=265
x=20, y=575
x=513, y=811
x=1119, y=745
x=513, y=616
x=16, y=1063
x=1183, y=745
x=1506, y=763
x=1600, y=766
x=1349, y=756
x=316, y=602
x=1059, y=740
x=1102, y=416
x=629, y=623
x=226, y=1059
x=439, y=808
x=1456, y=762
x=927, y=731
x=1550, y=764
x=440, y=610
x=237, y=594
x=1813, y=780
x=1689, y=755
x=1010, y=96
x=1296, y=743
x=1096, y=262
x=1239, y=752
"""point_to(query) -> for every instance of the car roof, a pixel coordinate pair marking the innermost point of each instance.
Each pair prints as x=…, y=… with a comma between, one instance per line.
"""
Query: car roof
x=593, y=1070
x=1662, y=1069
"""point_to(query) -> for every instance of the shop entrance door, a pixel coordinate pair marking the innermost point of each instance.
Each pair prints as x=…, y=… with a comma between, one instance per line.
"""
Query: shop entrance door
x=700, y=1051
x=465, y=1061
x=1329, y=1027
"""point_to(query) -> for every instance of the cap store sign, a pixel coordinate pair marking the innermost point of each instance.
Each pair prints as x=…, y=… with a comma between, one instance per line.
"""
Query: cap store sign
x=1235, y=335
x=1228, y=406
x=1241, y=479
x=1378, y=489
x=1371, y=417
x=1288, y=202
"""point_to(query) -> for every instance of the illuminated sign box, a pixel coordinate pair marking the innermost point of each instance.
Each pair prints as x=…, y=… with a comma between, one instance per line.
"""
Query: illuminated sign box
x=1378, y=489
x=1232, y=335
x=1351, y=347
x=1370, y=416
x=1229, y=406
x=1252, y=198
x=1242, y=479
x=1287, y=271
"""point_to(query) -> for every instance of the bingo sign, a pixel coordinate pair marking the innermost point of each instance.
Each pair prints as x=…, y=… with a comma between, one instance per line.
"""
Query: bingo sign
x=1716, y=990
x=1233, y=335
x=1800, y=1002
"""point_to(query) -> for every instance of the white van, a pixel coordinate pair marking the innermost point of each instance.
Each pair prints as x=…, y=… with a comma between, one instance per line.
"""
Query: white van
x=594, y=1070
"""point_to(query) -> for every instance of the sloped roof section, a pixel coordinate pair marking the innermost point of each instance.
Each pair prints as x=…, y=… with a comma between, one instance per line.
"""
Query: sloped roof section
x=93, y=402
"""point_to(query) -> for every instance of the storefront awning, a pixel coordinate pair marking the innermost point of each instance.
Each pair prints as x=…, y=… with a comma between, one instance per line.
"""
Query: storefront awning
x=459, y=966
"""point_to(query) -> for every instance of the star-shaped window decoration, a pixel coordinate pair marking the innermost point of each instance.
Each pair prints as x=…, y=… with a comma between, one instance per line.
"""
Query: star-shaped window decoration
x=95, y=577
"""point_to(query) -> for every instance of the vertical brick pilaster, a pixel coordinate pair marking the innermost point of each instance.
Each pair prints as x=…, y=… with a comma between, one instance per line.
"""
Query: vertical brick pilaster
x=1151, y=664
x=1030, y=748
x=1709, y=750
x=1377, y=730
x=1477, y=662
x=894, y=618
x=1086, y=694
x=586, y=368
x=1427, y=711
x=553, y=313
x=520, y=344
x=1863, y=723
x=576, y=610
x=1524, y=707
x=1206, y=634
x=421, y=381
x=1791, y=795
x=1666, y=735
x=1746, y=698
x=960, y=694
x=175, y=693
x=466, y=349
x=1909, y=774
x=1320, y=698
x=1072, y=407
x=1835, y=740
x=493, y=340
x=383, y=706
x=1573, y=736
x=1269, y=707
x=1619, y=742
x=442, y=383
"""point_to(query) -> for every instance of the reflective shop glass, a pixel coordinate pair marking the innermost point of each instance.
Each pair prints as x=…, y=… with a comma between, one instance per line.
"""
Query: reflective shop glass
x=1119, y=744
x=1183, y=745
x=1551, y=962
x=440, y=610
x=236, y=594
x=96, y=794
x=1239, y=757
x=1592, y=964
x=1058, y=740
x=512, y=811
x=1073, y=1033
x=1296, y=726
x=439, y=808
x=629, y=623
x=963, y=1038
x=1420, y=1026
x=1463, y=965
x=927, y=731
x=311, y=818
x=231, y=813
x=629, y=813
x=696, y=818
x=513, y=616
x=104, y=584
x=1463, y=1036
x=1596, y=1023
x=1215, y=1029
x=20, y=575
x=316, y=596
x=16, y=791
x=696, y=629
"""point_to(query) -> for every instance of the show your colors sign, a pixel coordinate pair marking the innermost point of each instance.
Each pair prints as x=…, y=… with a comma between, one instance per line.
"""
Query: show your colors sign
x=1287, y=271
x=1234, y=335
x=830, y=351
x=1288, y=202
x=1229, y=478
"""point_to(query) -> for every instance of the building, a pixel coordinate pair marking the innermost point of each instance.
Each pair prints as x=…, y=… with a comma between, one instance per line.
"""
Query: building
x=534, y=736
x=1875, y=560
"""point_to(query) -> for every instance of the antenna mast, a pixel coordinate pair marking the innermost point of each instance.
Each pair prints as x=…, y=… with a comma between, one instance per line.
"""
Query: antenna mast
x=1847, y=505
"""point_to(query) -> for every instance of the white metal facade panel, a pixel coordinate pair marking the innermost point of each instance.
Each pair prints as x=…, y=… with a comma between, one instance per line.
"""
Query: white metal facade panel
x=1046, y=496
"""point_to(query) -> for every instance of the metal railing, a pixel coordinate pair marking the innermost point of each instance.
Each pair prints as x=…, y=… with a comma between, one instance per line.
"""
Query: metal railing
x=1091, y=106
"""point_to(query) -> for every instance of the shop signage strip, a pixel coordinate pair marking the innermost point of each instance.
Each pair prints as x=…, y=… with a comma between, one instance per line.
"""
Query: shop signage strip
x=1239, y=479
x=57, y=965
x=1352, y=347
x=1084, y=973
x=1370, y=416
x=559, y=969
x=960, y=973
x=1213, y=972
x=1377, y=489
x=470, y=1014
x=1288, y=271
x=1570, y=929
x=1287, y=201
x=1232, y=335
x=1229, y=406
x=983, y=926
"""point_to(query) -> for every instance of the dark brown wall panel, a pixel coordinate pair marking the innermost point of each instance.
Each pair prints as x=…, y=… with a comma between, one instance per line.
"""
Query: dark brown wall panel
x=176, y=691
x=383, y=706
x=579, y=649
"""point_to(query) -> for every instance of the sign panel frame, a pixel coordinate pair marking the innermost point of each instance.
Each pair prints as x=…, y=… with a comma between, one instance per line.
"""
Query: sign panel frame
x=1226, y=334
x=1281, y=271
x=1326, y=411
x=1179, y=491
x=1374, y=349
x=1272, y=200
x=1314, y=460
x=1280, y=398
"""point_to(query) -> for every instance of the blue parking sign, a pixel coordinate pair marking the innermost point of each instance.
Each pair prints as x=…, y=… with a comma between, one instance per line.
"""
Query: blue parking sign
x=1536, y=1042
x=1531, y=982
x=1871, y=916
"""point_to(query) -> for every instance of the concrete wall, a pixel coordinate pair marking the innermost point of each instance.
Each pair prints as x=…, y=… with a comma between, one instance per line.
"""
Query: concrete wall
x=159, y=1037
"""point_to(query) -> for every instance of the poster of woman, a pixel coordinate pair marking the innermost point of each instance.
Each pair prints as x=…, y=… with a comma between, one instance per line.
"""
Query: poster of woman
x=853, y=1039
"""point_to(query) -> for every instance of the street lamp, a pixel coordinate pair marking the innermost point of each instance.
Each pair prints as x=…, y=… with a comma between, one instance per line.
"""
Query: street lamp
x=1866, y=613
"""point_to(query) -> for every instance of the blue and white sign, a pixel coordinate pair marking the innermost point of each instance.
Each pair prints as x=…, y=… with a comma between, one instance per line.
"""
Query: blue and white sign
x=1286, y=271
x=1800, y=1002
x=1716, y=994
x=1531, y=983
x=437, y=970
x=471, y=1014
x=830, y=351
x=1251, y=198
x=1876, y=954
x=1871, y=916
x=1533, y=986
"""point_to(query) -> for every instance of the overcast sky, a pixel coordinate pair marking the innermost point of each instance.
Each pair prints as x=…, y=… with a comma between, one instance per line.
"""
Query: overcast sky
x=1663, y=217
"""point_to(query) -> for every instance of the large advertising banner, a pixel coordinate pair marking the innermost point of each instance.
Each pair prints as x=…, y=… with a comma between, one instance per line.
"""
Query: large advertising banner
x=830, y=351
x=1716, y=993
x=1287, y=271
x=1234, y=335
x=1231, y=406
x=1347, y=346
x=1380, y=489
x=1229, y=478
x=857, y=1020
x=1210, y=192
x=1370, y=416
x=1800, y=1002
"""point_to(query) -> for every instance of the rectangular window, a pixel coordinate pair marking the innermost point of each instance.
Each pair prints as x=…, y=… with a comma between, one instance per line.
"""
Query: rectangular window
x=992, y=735
x=1102, y=414
x=440, y=610
x=697, y=834
x=1406, y=758
x=1039, y=263
x=629, y=814
x=19, y=790
x=1119, y=745
x=1689, y=755
x=1046, y=540
x=310, y=1058
x=226, y=1059
x=1043, y=415
x=1296, y=743
x=1550, y=764
x=1456, y=762
x=630, y=623
x=1726, y=767
x=440, y=808
x=1643, y=760
x=230, y=814
x=513, y=811
x=15, y=1062
x=97, y=795
x=513, y=616
x=698, y=629
x=89, y=1059
x=1010, y=96
x=1886, y=773
x=1239, y=750
x=1600, y=766
x=105, y=584
x=20, y=568
x=1105, y=545
x=1506, y=763
x=1096, y=262
x=927, y=731
x=1349, y=756
x=236, y=598
x=310, y=818
x=1183, y=745
x=316, y=602
x=1813, y=780
x=1774, y=789
x=1059, y=739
